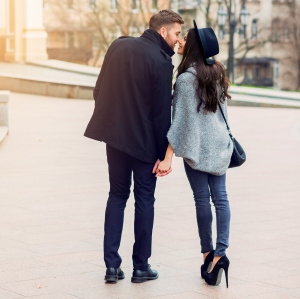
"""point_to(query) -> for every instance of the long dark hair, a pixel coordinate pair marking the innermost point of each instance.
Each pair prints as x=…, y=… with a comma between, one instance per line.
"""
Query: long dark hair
x=207, y=75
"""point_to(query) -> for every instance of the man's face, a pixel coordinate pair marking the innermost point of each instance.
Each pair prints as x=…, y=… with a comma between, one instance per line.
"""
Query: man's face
x=171, y=34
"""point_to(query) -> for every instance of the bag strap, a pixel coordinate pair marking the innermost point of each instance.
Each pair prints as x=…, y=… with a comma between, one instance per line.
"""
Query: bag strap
x=225, y=120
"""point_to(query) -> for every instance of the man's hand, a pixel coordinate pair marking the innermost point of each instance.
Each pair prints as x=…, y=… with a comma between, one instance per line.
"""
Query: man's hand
x=155, y=166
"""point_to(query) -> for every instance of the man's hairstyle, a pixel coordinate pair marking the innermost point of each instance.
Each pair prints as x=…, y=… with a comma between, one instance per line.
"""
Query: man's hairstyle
x=164, y=18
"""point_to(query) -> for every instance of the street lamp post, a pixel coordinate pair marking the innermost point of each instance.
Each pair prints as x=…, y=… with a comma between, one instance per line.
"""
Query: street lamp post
x=231, y=46
x=222, y=16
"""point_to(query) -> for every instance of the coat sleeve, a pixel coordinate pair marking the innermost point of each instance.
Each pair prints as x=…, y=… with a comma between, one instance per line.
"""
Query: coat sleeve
x=103, y=70
x=162, y=92
x=100, y=77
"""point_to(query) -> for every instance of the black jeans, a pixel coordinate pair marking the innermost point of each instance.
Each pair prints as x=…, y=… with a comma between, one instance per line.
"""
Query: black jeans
x=121, y=166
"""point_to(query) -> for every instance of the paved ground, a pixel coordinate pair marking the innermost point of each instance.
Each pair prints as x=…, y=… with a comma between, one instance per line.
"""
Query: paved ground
x=53, y=189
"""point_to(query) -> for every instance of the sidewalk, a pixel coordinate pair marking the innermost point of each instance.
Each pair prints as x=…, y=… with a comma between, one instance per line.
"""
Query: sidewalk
x=266, y=93
x=53, y=190
x=260, y=97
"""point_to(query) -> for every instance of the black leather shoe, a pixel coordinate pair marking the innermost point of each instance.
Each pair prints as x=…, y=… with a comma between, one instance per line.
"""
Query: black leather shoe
x=113, y=275
x=142, y=276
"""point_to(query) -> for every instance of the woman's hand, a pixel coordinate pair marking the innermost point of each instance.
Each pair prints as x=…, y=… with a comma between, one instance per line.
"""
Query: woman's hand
x=164, y=167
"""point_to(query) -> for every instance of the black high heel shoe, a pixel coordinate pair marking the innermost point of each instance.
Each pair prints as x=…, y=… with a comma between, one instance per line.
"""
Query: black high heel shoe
x=214, y=277
x=207, y=263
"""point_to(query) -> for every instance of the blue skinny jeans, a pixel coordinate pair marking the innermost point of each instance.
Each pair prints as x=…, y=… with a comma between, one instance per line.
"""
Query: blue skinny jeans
x=204, y=186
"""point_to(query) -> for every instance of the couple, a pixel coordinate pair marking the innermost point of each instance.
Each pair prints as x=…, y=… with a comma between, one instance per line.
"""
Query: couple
x=132, y=116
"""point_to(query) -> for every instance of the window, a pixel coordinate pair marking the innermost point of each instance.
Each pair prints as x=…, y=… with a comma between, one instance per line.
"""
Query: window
x=113, y=5
x=256, y=73
x=96, y=42
x=134, y=6
x=92, y=4
x=69, y=40
x=70, y=3
x=276, y=32
x=254, y=29
x=154, y=5
x=286, y=32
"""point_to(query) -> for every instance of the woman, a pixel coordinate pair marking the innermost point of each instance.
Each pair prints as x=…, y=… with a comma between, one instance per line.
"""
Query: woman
x=198, y=134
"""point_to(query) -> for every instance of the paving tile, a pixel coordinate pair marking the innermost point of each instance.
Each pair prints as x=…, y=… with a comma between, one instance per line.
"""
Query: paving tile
x=53, y=296
x=4, y=294
x=69, y=269
x=293, y=292
x=16, y=253
x=21, y=264
x=189, y=295
x=29, y=287
x=71, y=257
x=19, y=275
x=292, y=265
x=265, y=255
x=288, y=282
x=239, y=290
x=64, y=247
x=279, y=295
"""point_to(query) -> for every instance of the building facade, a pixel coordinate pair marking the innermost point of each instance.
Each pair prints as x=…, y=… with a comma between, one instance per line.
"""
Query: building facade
x=22, y=34
x=266, y=51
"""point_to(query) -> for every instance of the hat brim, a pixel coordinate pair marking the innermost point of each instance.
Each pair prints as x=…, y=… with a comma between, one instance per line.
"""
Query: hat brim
x=209, y=61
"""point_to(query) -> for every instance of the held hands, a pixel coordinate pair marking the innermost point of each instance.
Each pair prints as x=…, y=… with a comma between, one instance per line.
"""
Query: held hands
x=164, y=167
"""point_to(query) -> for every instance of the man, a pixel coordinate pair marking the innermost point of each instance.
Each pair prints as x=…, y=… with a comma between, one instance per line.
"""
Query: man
x=132, y=116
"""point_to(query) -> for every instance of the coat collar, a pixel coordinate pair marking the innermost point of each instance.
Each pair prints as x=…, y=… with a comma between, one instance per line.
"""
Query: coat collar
x=155, y=37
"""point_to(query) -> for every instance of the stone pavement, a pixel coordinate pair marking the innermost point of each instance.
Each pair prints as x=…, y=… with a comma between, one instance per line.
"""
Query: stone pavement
x=53, y=190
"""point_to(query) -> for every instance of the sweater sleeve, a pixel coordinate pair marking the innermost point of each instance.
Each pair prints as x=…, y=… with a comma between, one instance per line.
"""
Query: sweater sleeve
x=183, y=106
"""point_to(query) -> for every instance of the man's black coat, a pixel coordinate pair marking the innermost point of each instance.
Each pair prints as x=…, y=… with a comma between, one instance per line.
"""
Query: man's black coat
x=133, y=97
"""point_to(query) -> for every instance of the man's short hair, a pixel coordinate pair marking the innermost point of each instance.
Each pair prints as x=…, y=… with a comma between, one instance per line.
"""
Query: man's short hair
x=164, y=18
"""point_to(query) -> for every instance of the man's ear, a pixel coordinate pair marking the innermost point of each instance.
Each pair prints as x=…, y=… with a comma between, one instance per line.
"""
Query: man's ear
x=163, y=32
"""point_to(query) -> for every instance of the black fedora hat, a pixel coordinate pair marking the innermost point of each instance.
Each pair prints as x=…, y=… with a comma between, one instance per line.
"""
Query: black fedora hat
x=209, y=43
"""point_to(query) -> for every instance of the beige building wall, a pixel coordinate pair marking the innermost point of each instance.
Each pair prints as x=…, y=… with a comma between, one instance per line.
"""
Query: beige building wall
x=22, y=35
x=281, y=53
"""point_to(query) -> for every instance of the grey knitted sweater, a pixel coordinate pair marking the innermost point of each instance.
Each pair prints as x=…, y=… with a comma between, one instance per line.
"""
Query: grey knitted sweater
x=201, y=139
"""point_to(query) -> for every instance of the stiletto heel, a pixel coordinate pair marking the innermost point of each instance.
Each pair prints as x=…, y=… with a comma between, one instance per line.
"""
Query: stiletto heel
x=214, y=277
x=207, y=263
x=226, y=275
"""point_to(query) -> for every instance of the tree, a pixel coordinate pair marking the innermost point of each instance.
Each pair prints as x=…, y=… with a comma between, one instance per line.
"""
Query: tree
x=233, y=10
x=294, y=21
x=103, y=21
x=120, y=18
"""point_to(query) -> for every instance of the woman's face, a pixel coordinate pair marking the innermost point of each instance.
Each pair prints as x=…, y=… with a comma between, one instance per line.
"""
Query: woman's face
x=182, y=44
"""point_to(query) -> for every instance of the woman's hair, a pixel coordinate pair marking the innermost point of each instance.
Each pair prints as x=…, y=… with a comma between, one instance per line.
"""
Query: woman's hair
x=163, y=18
x=210, y=78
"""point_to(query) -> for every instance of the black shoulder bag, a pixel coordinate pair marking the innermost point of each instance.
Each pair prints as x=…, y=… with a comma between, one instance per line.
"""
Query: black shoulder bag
x=238, y=155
